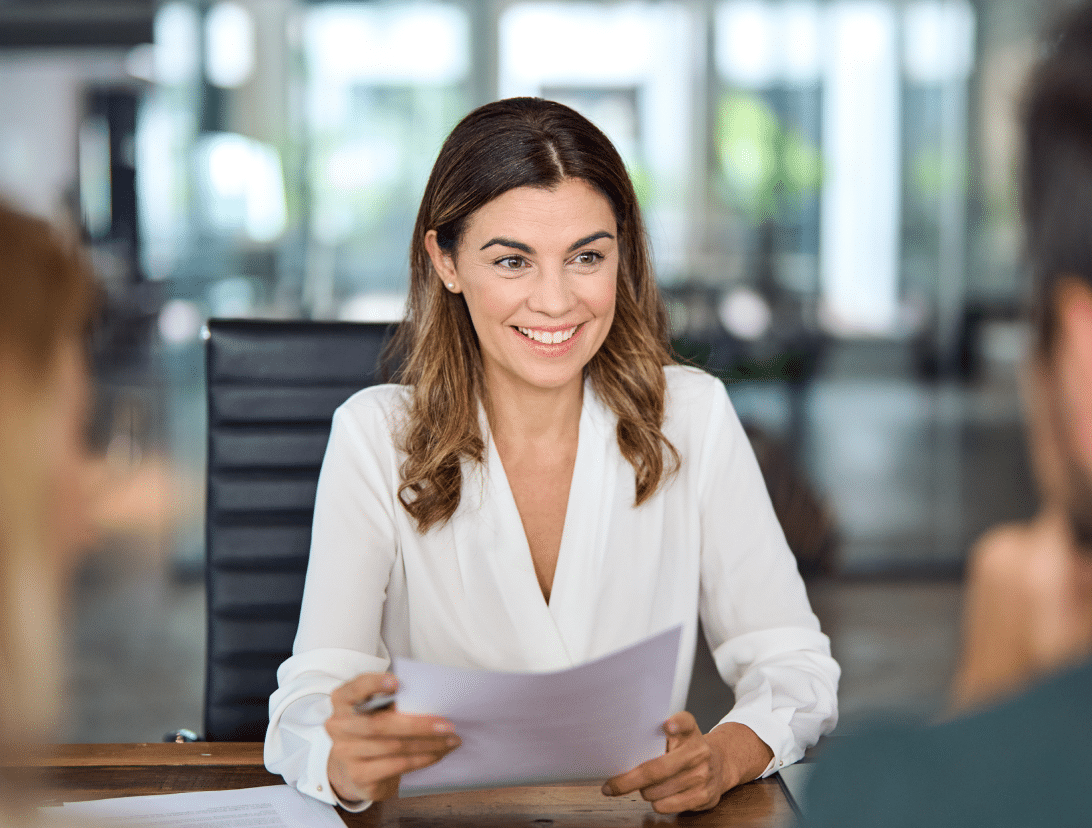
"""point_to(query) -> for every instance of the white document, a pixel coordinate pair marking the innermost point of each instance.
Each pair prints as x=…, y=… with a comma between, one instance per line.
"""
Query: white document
x=591, y=722
x=274, y=806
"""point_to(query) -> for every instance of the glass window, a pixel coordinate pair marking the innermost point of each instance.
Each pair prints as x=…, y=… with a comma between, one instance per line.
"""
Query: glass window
x=385, y=83
x=619, y=65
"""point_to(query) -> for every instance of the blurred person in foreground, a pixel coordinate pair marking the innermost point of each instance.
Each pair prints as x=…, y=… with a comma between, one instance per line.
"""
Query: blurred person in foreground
x=46, y=300
x=1019, y=752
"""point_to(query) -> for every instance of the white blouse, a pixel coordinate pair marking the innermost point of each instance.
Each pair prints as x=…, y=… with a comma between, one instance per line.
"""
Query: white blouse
x=465, y=593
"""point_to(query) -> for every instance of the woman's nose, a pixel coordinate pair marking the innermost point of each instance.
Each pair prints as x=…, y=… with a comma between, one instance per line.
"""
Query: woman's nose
x=551, y=294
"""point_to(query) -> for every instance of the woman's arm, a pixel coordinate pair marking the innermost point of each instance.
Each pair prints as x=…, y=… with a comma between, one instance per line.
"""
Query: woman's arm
x=371, y=751
x=756, y=615
x=755, y=611
x=313, y=739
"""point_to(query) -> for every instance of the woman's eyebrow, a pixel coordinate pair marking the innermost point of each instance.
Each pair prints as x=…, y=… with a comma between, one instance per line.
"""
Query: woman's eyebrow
x=508, y=243
x=602, y=234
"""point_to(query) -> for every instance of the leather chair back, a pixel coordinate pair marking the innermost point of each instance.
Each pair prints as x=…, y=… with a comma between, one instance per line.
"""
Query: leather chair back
x=272, y=390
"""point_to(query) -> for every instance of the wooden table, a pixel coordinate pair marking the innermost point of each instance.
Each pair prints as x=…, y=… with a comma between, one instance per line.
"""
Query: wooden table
x=76, y=772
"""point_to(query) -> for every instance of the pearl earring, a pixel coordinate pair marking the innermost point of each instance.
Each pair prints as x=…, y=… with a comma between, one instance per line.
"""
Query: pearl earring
x=451, y=286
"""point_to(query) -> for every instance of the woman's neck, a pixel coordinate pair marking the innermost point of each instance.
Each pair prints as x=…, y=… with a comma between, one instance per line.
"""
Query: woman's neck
x=522, y=416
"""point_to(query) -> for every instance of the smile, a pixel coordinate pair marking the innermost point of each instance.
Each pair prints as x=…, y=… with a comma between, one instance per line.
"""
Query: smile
x=549, y=337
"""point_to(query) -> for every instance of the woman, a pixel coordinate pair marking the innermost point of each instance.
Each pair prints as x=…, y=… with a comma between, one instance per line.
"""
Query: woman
x=45, y=304
x=545, y=487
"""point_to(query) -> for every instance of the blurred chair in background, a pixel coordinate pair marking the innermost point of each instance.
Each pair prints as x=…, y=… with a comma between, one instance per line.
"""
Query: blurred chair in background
x=806, y=518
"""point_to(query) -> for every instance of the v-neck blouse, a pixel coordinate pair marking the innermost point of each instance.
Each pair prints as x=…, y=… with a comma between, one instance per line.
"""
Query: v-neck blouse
x=465, y=593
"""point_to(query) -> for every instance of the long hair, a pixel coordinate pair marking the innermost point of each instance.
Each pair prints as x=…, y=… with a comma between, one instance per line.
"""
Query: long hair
x=522, y=142
x=46, y=299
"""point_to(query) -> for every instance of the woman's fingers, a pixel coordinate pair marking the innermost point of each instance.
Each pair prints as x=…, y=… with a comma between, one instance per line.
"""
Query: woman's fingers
x=653, y=772
x=392, y=724
x=387, y=723
x=696, y=777
x=371, y=751
x=679, y=728
x=679, y=780
x=375, y=748
x=369, y=768
x=378, y=778
x=362, y=688
x=695, y=799
x=390, y=734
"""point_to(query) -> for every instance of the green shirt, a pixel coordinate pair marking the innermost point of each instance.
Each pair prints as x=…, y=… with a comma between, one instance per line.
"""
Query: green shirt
x=1024, y=762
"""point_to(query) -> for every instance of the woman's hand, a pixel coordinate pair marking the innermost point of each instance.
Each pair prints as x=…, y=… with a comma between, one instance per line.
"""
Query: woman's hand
x=697, y=768
x=371, y=751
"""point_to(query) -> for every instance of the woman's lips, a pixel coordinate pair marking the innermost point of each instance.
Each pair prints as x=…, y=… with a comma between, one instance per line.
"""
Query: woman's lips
x=552, y=341
x=548, y=336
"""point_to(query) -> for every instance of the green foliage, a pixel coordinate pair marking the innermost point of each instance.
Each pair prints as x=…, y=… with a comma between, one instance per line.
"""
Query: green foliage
x=765, y=166
x=934, y=173
x=642, y=184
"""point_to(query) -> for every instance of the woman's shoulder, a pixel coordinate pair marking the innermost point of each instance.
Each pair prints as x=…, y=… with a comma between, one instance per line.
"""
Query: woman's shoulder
x=688, y=386
x=377, y=406
x=696, y=408
x=690, y=377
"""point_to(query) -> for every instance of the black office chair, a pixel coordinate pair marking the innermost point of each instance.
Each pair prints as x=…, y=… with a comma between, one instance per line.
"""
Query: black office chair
x=272, y=390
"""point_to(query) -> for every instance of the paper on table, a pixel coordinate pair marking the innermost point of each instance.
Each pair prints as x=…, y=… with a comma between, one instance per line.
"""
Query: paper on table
x=273, y=806
x=590, y=722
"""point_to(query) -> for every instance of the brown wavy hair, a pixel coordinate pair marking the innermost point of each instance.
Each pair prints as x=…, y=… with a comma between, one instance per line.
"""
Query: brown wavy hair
x=522, y=142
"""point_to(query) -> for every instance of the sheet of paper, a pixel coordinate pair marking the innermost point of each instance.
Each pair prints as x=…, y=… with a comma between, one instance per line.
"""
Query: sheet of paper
x=587, y=723
x=275, y=806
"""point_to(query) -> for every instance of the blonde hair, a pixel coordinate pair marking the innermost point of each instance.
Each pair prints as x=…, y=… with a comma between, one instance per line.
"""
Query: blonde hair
x=46, y=296
x=522, y=142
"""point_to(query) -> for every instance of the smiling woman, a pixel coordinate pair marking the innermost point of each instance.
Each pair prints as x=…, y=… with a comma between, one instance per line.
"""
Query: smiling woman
x=540, y=316
x=551, y=165
x=542, y=488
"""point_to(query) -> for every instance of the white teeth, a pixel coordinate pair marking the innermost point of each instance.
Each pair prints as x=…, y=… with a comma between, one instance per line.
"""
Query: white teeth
x=547, y=338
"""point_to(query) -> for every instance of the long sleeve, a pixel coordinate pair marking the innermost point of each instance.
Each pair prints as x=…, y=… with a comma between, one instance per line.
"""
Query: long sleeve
x=352, y=552
x=755, y=611
x=465, y=594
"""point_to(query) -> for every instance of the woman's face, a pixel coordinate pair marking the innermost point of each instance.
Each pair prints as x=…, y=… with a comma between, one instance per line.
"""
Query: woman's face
x=538, y=269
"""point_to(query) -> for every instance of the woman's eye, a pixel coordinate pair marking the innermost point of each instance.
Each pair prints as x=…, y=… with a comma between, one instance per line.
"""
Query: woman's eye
x=588, y=257
x=510, y=262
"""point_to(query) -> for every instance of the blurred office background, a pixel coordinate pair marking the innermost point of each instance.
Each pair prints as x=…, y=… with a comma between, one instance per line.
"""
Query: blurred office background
x=829, y=187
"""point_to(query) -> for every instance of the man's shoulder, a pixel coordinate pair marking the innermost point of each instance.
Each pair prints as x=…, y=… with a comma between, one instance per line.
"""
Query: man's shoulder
x=994, y=767
x=1057, y=705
